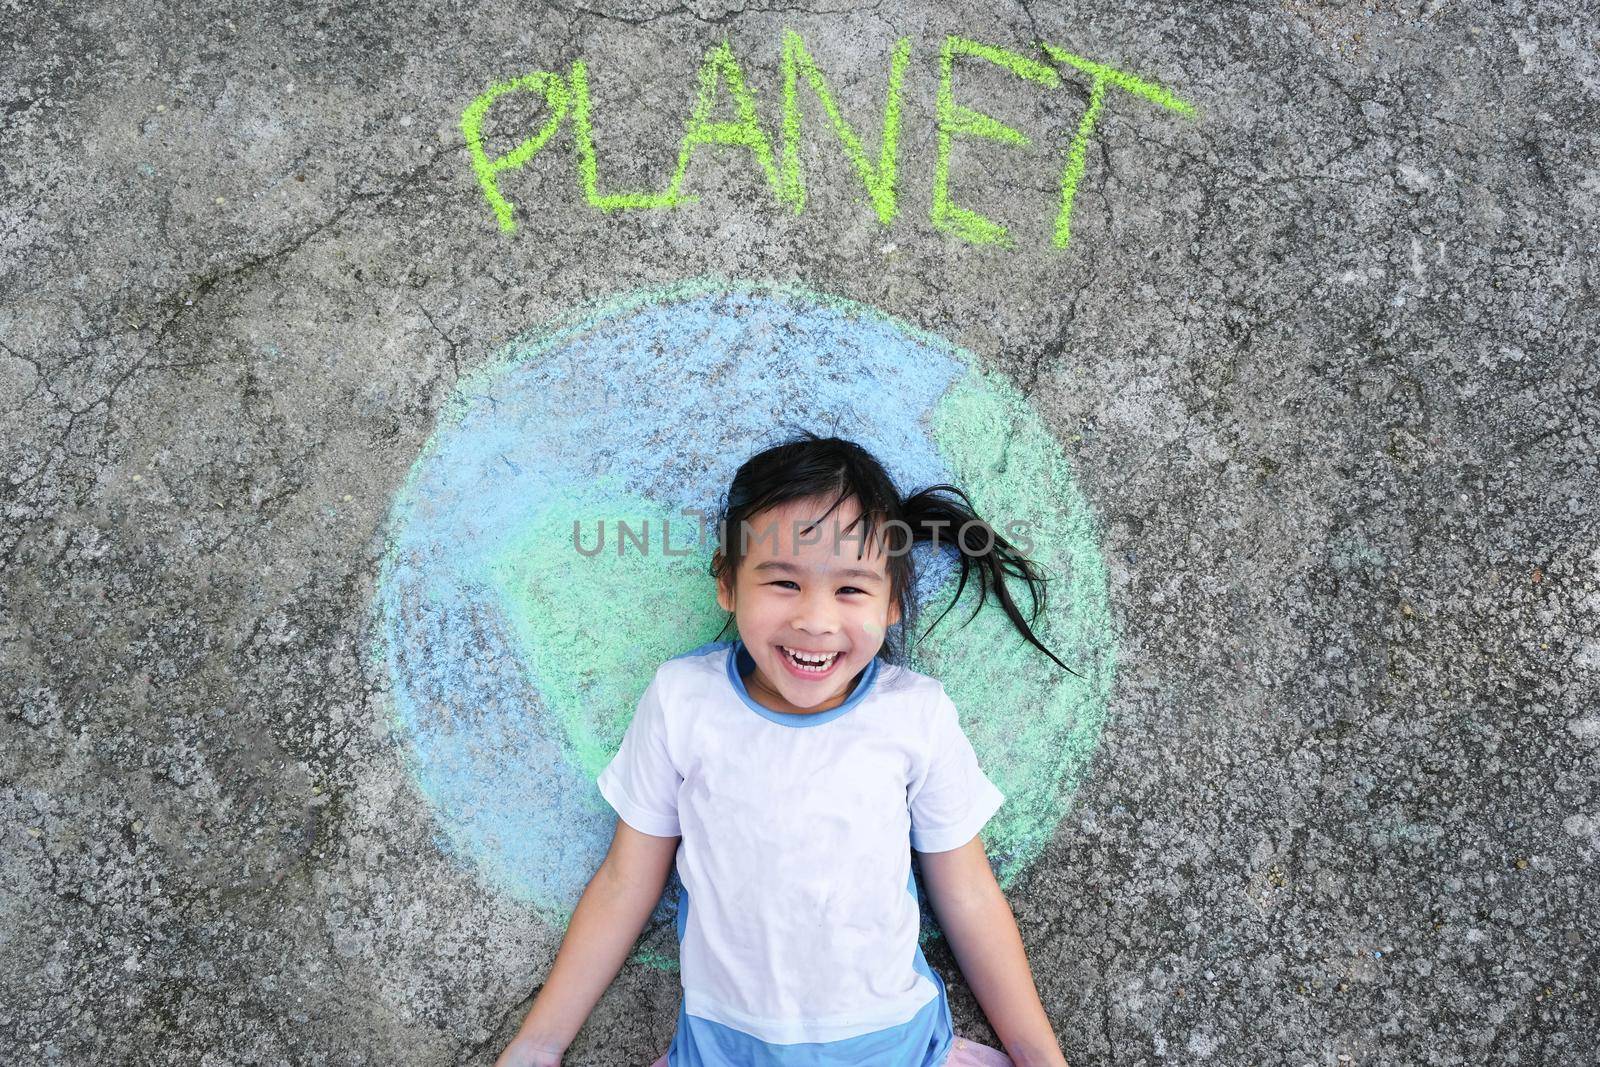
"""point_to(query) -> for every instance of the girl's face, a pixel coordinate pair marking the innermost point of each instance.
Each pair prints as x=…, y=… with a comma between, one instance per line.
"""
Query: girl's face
x=804, y=591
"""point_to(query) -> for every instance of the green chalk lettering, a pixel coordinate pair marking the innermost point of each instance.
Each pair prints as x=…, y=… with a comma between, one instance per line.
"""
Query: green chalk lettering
x=879, y=180
x=1077, y=159
x=719, y=66
x=744, y=132
x=1077, y=155
x=785, y=175
x=588, y=170
x=1122, y=80
x=954, y=118
x=554, y=90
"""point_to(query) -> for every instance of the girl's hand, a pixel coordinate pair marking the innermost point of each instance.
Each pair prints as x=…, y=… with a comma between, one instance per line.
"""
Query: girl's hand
x=527, y=1050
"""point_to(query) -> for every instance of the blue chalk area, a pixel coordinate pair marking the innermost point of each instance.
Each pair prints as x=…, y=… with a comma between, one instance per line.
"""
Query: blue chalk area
x=660, y=396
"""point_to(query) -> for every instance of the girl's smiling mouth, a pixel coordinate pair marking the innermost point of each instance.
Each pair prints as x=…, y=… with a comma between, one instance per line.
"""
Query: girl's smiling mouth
x=809, y=665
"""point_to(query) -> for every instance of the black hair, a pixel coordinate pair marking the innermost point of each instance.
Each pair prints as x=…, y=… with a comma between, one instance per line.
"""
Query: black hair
x=808, y=466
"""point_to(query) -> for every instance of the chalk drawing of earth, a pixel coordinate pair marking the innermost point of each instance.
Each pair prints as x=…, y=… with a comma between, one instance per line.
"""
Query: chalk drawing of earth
x=515, y=662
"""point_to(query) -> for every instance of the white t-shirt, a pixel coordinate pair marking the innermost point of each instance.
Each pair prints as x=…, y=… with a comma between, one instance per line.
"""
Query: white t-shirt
x=798, y=922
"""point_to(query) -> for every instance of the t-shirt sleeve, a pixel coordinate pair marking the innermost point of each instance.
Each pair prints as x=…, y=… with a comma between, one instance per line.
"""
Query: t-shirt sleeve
x=952, y=798
x=641, y=781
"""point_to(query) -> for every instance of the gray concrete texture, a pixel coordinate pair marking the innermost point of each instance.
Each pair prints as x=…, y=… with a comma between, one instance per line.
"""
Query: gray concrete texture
x=1324, y=358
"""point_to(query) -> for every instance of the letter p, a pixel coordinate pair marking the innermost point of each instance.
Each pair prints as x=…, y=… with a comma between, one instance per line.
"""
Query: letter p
x=554, y=89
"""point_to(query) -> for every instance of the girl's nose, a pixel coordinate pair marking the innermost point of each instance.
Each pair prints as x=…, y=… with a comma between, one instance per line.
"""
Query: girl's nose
x=815, y=616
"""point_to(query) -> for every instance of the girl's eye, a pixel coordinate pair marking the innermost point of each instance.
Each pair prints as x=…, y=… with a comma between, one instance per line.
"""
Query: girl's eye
x=787, y=583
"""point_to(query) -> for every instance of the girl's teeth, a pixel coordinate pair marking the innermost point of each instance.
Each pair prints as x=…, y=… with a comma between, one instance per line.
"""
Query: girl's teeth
x=817, y=664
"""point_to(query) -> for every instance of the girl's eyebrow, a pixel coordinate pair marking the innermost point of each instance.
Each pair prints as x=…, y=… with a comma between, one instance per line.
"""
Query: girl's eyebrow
x=840, y=572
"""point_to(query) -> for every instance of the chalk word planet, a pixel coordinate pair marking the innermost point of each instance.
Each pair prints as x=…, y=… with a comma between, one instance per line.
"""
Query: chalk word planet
x=515, y=661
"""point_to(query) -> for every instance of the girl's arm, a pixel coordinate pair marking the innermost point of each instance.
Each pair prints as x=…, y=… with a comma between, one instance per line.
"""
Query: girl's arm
x=977, y=920
x=604, y=926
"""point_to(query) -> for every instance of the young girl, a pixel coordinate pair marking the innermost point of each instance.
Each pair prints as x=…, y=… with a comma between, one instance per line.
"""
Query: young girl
x=789, y=773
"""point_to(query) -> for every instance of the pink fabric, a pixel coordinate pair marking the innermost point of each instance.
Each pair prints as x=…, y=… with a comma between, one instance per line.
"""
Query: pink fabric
x=964, y=1053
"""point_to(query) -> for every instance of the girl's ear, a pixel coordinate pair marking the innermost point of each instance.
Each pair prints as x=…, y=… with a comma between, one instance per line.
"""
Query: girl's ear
x=894, y=612
x=724, y=595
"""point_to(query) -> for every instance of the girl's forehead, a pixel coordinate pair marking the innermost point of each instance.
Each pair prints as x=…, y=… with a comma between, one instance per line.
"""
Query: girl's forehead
x=813, y=541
